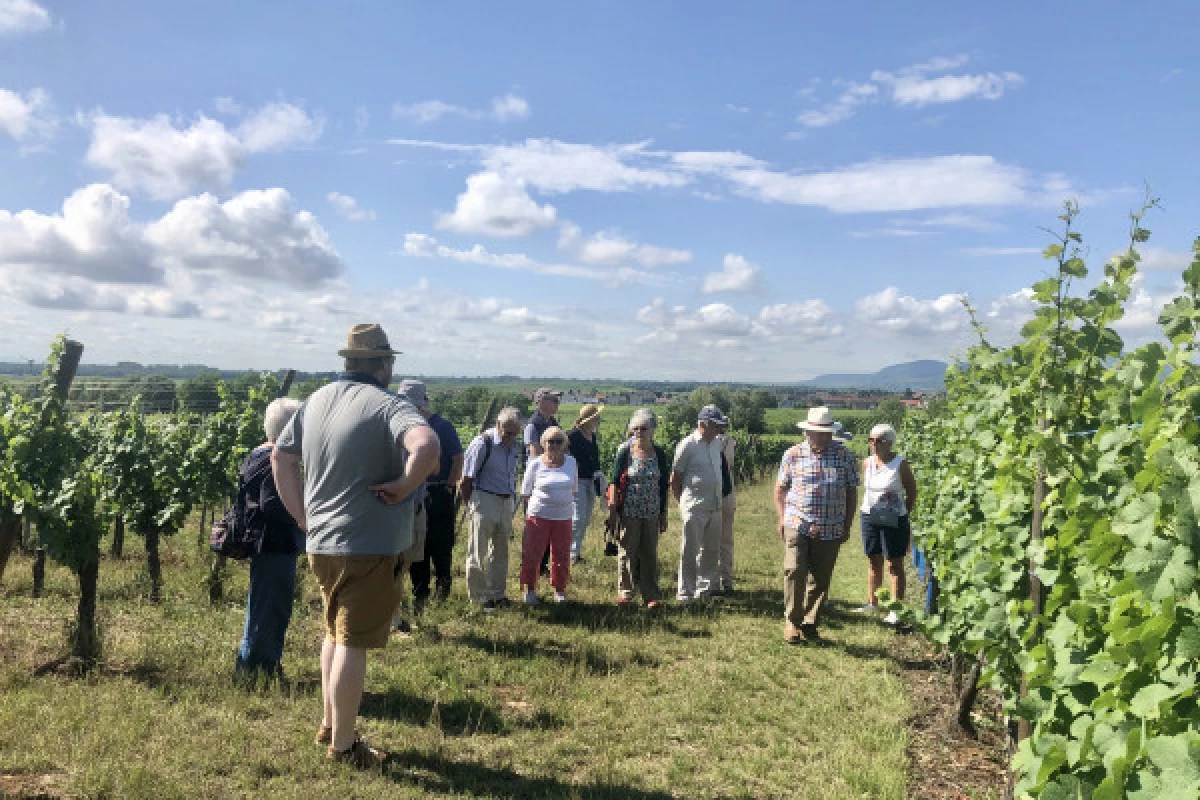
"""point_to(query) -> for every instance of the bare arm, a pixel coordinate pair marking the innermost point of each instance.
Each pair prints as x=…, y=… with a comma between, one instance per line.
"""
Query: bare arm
x=456, y=468
x=465, y=485
x=677, y=485
x=851, y=507
x=423, y=454
x=910, y=486
x=780, y=504
x=290, y=484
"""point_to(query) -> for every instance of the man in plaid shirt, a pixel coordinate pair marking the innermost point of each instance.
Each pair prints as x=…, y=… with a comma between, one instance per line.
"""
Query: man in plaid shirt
x=815, y=497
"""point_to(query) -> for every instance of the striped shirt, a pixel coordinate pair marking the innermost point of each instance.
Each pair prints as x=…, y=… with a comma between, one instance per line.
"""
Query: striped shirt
x=817, y=484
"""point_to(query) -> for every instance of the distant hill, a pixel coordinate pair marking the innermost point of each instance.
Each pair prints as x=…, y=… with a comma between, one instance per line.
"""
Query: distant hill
x=923, y=375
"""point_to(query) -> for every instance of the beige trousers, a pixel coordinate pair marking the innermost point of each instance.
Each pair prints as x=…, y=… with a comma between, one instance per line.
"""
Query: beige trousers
x=637, y=559
x=725, y=555
x=803, y=558
x=490, y=519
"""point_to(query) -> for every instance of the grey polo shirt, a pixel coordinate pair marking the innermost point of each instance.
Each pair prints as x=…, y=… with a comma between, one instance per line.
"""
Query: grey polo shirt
x=699, y=462
x=349, y=436
x=499, y=474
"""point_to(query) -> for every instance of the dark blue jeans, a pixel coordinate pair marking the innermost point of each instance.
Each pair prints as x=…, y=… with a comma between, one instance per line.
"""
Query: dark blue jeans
x=268, y=611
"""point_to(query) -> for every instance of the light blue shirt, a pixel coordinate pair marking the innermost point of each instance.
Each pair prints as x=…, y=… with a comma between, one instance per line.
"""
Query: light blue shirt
x=499, y=475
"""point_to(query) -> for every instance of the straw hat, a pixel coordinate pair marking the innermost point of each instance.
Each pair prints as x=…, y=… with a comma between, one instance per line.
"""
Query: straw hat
x=589, y=412
x=367, y=340
x=820, y=420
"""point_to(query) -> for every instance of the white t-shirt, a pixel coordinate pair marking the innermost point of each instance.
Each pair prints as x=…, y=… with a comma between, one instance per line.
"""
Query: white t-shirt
x=883, y=489
x=551, y=490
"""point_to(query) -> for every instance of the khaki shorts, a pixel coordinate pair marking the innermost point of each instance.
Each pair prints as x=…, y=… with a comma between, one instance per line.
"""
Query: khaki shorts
x=360, y=595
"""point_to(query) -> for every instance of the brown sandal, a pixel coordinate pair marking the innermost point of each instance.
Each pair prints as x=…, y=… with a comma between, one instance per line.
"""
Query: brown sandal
x=324, y=735
x=360, y=755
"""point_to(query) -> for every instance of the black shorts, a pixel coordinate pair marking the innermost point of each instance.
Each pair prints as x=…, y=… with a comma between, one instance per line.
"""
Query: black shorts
x=888, y=542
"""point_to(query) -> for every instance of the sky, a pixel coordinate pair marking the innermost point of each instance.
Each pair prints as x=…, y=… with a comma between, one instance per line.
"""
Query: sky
x=700, y=191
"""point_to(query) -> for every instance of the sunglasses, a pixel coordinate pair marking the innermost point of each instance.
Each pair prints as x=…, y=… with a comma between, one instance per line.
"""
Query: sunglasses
x=556, y=441
x=640, y=428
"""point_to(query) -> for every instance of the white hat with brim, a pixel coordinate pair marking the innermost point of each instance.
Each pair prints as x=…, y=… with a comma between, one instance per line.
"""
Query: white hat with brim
x=820, y=420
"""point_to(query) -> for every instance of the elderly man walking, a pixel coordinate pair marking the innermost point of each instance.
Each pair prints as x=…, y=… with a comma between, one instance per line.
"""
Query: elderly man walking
x=364, y=452
x=438, y=508
x=488, y=491
x=696, y=484
x=815, y=497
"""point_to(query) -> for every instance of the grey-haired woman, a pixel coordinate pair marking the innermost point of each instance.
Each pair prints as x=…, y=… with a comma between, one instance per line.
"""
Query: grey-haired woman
x=640, y=479
x=889, y=495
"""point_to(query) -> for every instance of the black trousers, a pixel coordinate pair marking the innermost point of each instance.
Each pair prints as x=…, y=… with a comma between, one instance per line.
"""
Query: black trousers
x=439, y=545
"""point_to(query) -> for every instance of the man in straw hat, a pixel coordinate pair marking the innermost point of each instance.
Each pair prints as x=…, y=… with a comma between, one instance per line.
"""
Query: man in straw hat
x=364, y=452
x=815, y=497
x=583, y=445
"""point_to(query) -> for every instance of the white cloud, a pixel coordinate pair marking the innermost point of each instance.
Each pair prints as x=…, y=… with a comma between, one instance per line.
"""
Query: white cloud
x=279, y=126
x=610, y=248
x=167, y=161
x=809, y=318
x=495, y=206
x=75, y=294
x=1160, y=258
x=552, y=166
x=535, y=337
x=227, y=105
x=714, y=161
x=1001, y=251
x=502, y=109
x=255, y=234
x=912, y=86
x=892, y=312
x=737, y=275
x=23, y=16
x=908, y=184
x=93, y=238
x=854, y=95
x=1143, y=310
x=26, y=116
x=422, y=245
x=346, y=206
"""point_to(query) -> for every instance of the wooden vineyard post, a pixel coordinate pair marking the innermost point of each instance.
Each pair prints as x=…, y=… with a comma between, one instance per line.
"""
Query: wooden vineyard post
x=118, y=543
x=285, y=385
x=39, y=571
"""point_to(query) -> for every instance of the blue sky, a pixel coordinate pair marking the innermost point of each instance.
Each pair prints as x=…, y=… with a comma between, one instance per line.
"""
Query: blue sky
x=694, y=190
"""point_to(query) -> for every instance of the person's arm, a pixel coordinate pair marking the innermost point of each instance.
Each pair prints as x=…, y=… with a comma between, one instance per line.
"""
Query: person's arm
x=682, y=453
x=456, y=468
x=465, y=485
x=909, y=481
x=290, y=484
x=677, y=485
x=423, y=449
x=529, y=482
x=781, y=491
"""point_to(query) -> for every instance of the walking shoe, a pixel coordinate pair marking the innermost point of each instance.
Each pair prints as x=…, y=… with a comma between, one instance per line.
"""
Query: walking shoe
x=869, y=608
x=489, y=606
x=531, y=599
x=360, y=755
x=683, y=601
x=324, y=735
x=791, y=634
x=503, y=602
x=560, y=597
x=810, y=634
x=892, y=620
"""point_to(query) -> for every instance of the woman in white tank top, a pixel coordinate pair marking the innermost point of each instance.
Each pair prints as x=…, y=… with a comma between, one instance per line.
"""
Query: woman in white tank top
x=889, y=494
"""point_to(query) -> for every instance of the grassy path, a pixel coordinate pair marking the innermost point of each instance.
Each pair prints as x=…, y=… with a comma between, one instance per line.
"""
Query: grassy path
x=578, y=701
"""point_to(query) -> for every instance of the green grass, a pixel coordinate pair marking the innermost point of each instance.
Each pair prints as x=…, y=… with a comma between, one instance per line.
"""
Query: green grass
x=581, y=701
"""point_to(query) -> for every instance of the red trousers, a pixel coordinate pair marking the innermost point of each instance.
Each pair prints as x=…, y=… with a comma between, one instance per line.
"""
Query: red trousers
x=538, y=532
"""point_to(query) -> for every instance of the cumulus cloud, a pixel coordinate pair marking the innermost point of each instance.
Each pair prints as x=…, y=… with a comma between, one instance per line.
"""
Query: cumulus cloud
x=23, y=16
x=502, y=109
x=167, y=160
x=718, y=319
x=1160, y=258
x=809, y=318
x=737, y=275
x=25, y=116
x=76, y=294
x=421, y=245
x=612, y=249
x=893, y=312
x=256, y=234
x=346, y=206
x=552, y=166
x=93, y=237
x=495, y=206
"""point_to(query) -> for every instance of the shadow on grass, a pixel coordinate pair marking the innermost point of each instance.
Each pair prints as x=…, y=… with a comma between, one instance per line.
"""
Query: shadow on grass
x=594, y=659
x=437, y=774
x=630, y=619
x=455, y=718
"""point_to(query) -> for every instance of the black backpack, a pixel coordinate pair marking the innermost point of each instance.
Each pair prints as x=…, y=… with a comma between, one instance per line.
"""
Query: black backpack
x=239, y=533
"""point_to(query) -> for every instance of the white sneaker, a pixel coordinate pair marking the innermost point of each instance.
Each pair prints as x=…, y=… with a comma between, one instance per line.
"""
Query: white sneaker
x=559, y=597
x=892, y=619
x=531, y=599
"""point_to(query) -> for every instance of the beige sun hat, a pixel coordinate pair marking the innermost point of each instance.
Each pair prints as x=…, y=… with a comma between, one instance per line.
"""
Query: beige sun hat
x=820, y=420
x=589, y=412
x=367, y=340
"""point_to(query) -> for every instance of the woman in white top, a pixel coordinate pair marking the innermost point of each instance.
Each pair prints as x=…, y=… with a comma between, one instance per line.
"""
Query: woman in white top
x=889, y=495
x=548, y=490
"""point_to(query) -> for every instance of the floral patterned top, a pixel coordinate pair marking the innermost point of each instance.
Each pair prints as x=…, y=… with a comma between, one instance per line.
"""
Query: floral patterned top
x=641, y=488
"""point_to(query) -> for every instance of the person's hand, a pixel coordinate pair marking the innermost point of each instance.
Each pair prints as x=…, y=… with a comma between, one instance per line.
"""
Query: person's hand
x=391, y=492
x=782, y=538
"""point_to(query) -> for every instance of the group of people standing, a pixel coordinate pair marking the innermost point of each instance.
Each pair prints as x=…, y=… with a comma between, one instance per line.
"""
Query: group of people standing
x=369, y=481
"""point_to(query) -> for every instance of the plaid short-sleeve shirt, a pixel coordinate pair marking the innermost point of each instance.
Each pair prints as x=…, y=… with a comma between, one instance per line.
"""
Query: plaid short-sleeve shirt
x=817, y=486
